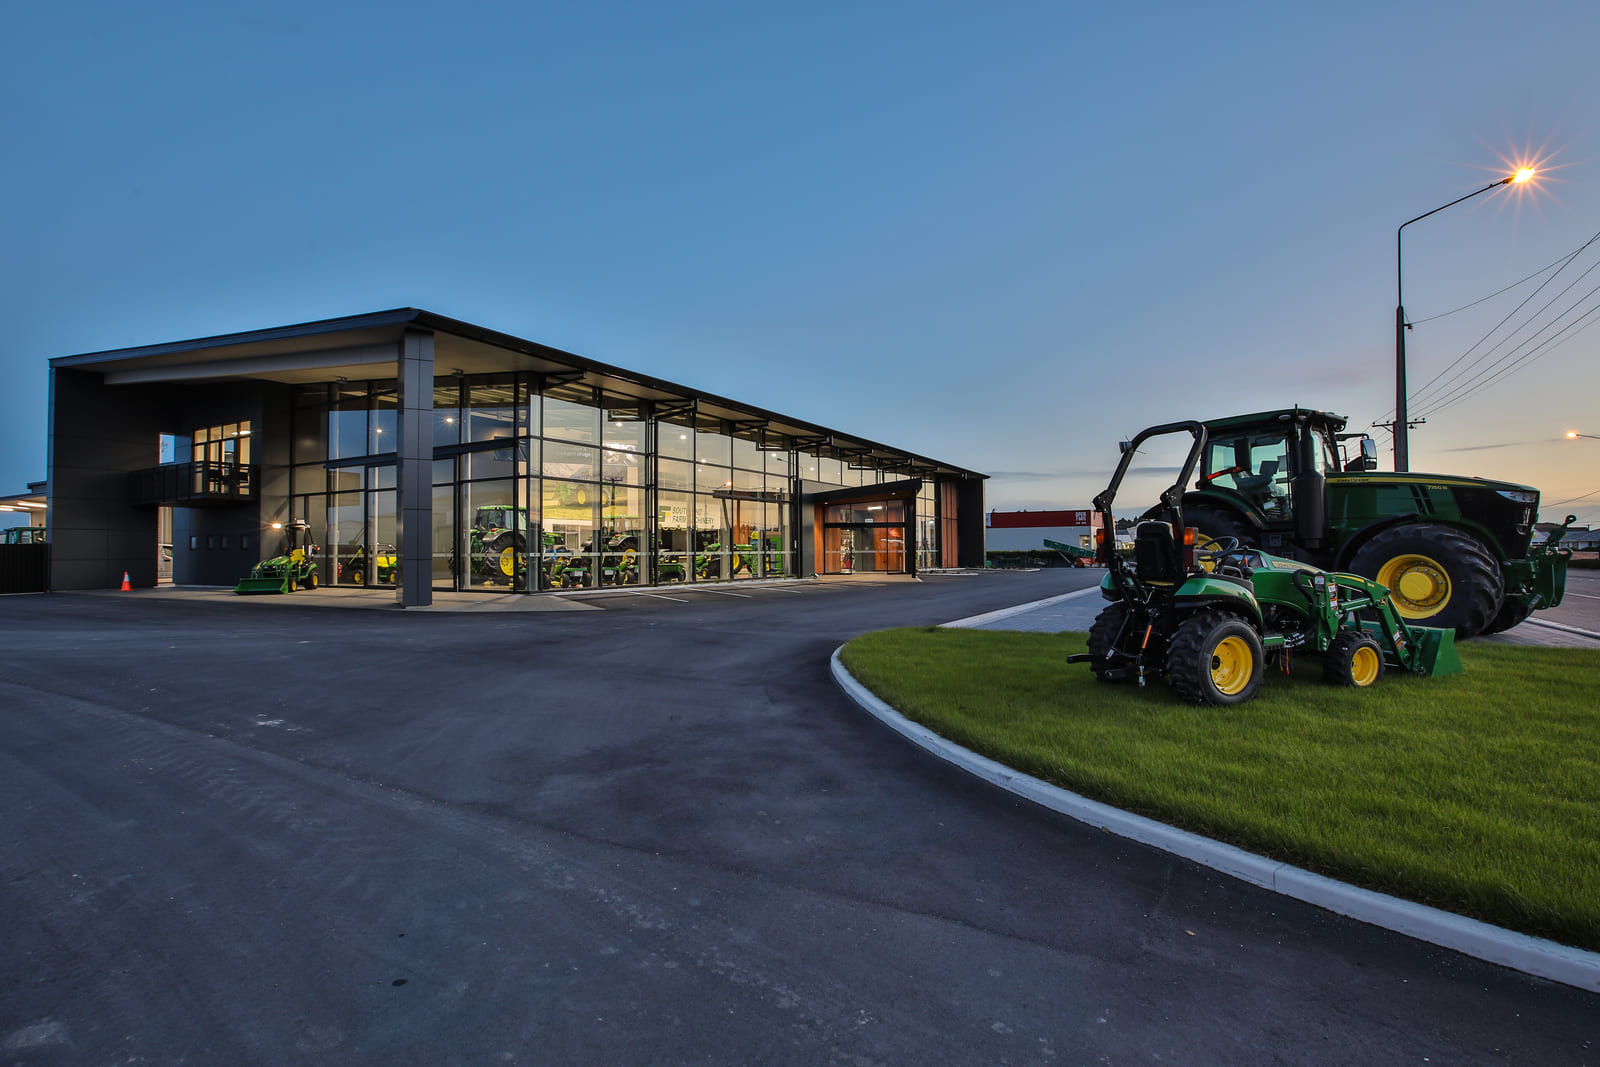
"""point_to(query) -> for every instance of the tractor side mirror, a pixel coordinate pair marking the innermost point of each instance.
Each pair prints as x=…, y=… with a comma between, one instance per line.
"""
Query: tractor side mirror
x=1368, y=459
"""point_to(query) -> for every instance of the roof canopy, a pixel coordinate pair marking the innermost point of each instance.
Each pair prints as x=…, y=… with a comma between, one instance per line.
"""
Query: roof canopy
x=365, y=347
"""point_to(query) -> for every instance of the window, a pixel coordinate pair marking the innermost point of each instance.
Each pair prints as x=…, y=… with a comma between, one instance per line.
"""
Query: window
x=1257, y=466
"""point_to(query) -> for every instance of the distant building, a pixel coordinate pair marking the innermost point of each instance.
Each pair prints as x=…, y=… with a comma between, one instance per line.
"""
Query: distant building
x=1577, y=538
x=1019, y=531
x=24, y=509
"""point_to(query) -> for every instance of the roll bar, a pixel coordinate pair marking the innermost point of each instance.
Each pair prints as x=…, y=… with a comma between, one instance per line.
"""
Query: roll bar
x=1171, y=498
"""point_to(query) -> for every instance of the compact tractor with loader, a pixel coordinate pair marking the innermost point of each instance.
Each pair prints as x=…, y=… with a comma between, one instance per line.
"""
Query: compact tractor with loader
x=1209, y=616
x=295, y=569
x=1453, y=551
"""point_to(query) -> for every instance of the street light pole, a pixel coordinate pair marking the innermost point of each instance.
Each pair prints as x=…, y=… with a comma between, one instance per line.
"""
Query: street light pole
x=1402, y=449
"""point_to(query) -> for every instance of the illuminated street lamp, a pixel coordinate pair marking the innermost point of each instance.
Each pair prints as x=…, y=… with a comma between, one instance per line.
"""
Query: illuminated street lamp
x=1402, y=450
x=1575, y=434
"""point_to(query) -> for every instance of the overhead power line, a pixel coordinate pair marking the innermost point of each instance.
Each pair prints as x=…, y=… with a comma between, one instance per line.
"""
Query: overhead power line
x=1420, y=396
x=1480, y=382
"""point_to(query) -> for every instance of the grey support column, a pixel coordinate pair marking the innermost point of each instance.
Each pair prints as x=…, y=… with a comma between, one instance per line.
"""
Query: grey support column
x=415, y=470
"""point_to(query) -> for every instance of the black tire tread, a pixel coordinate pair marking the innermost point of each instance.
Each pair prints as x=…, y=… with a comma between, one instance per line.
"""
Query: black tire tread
x=1103, y=636
x=1472, y=567
x=1511, y=613
x=1216, y=522
x=1341, y=653
x=1189, y=660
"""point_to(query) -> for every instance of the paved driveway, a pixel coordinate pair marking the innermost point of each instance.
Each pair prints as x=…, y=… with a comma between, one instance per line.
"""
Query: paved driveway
x=653, y=832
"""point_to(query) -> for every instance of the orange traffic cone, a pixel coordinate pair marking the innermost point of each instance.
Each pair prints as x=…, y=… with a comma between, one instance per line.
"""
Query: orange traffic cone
x=127, y=587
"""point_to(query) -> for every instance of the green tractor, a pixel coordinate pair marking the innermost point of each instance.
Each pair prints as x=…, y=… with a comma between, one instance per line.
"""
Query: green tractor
x=497, y=541
x=1453, y=551
x=295, y=569
x=385, y=559
x=1209, y=617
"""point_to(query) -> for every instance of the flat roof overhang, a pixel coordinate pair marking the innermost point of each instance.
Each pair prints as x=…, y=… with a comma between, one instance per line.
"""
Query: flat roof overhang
x=363, y=347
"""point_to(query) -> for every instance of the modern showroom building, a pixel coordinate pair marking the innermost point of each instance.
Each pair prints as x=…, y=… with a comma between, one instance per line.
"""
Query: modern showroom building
x=432, y=454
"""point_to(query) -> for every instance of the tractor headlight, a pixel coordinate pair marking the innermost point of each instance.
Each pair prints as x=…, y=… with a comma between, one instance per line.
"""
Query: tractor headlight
x=1519, y=495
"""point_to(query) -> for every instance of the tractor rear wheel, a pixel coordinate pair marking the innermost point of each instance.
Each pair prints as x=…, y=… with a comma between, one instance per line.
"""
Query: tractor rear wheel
x=1352, y=659
x=1436, y=576
x=500, y=557
x=1216, y=523
x=309, y=581
x=1103, y=634
x=1215, y=659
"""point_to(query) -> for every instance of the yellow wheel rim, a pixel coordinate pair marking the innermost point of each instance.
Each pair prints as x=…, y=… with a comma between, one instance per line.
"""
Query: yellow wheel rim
x=1231, y=666
x=1419, y=586
x=508, y=561
x=1364, y=665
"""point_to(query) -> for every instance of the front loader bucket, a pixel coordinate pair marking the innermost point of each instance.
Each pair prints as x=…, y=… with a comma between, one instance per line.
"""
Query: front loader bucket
x=1433, y=651
x=262, y=585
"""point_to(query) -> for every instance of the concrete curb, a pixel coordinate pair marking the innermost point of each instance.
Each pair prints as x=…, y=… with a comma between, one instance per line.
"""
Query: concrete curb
x=1563, y=629
x=1531, y=955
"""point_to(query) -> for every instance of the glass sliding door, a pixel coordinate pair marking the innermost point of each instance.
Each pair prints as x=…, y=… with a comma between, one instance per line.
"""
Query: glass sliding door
x=865, y=537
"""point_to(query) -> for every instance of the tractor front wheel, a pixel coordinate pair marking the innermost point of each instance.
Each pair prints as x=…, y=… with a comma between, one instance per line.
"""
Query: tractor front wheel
x=1436, y=576
x=1103, y=635
x=1352, y=659
x=1215, y=659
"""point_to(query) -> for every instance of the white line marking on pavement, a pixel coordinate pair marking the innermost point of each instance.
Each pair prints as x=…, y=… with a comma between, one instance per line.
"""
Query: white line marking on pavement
x=658, y=596
x=723, y=592
x=1006, y=613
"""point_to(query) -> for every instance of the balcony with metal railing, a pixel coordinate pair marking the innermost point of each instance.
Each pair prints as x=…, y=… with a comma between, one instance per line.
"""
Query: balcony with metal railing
x=203, y=483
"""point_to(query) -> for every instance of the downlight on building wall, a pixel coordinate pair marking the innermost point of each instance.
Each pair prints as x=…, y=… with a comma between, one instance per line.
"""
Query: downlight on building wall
x=431, y=454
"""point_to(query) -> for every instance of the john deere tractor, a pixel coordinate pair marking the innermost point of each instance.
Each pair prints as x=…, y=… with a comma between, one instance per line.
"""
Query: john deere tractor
x=1208, y=617
x=1453, y=551
x=295, y=569
x=497, y=540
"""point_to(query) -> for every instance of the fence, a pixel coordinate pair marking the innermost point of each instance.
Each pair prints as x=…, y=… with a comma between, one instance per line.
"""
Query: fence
x=25, y=568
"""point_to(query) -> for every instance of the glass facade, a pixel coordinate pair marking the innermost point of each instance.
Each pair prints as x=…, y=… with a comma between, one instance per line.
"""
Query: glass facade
x=547, y=485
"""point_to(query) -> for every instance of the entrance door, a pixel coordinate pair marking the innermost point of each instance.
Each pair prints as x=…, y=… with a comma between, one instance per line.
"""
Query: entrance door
x=864, y=537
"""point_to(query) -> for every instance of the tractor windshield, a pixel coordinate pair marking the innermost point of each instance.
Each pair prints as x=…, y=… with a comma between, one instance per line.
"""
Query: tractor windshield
x=1254, y=464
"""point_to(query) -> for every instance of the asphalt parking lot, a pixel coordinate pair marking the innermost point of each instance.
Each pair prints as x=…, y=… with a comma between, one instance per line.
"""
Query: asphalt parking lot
x=635, y=830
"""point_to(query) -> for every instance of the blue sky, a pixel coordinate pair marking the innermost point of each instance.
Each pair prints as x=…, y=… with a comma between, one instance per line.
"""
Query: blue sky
x=1004, y=235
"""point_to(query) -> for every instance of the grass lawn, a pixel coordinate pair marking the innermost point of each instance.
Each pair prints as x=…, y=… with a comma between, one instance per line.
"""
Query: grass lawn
x=1478, y=793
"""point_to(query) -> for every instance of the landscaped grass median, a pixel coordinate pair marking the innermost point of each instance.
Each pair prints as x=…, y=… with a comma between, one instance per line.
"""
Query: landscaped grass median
x=1478, y=793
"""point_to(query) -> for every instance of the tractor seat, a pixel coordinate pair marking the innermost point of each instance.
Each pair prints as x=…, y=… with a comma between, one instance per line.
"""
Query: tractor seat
x=1260, y=483
x=1155, y=554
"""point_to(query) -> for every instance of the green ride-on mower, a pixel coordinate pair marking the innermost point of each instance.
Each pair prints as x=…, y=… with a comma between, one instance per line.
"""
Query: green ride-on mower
x=295, y=569
x=385, y=560
x=1210, y=616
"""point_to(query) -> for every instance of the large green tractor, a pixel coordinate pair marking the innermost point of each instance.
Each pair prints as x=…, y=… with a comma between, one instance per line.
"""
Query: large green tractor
x=1453, y=551
x=1209, y=617
x=497, y=540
